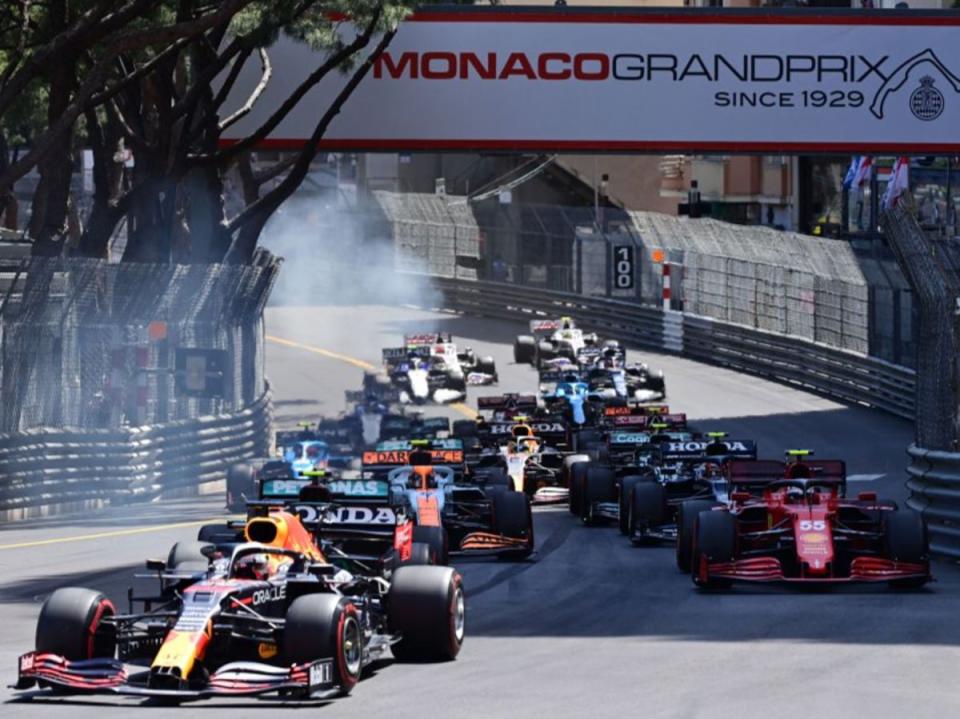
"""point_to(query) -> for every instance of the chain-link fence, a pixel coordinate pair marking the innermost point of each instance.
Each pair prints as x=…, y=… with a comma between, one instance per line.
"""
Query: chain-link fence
x=87, y=344
x=828, y=291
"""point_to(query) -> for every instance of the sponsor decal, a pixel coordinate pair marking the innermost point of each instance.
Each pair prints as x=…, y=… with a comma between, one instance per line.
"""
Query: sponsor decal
x=283, y=487
x=321, y=673
x=402, y=457
x=267, y=650
x=358, y=488
x=696, y=447
x=629, y=438
x=27, y=662
x=537, y=427
x=361, y=515
x=273, y=594
x=814, y=537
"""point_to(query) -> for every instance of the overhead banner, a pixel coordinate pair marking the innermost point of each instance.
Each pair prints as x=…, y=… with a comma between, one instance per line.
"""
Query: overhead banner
x=627, y=80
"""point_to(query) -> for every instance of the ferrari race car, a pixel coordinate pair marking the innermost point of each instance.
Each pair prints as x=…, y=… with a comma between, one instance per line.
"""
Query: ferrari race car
x=428, y=367
x=790, y=522
x=270, y=615
x=549, y=339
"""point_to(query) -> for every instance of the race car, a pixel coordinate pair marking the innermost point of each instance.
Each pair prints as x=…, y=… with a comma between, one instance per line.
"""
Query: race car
x=428, y=367
x=533, y=467
x=411, y=425
x=453, y=514
x=549, y=339
x=790, y=522
x=270, y=615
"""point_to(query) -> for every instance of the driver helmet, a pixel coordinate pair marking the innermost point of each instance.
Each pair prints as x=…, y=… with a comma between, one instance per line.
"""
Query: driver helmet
x=252, y=566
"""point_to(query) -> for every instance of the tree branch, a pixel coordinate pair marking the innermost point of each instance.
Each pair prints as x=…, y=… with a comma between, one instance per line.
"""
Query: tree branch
x=223, y=157
x=267, y=70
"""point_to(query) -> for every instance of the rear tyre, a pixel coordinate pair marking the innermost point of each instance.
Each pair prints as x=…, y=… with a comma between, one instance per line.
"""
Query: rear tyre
x=647, y=507
x=687, y=514
x=72, y=625
x=486, y=365
x=427, y=608
x=464, y=428
x=436, y=539
x=626, y=487
x=600, y=485
x=513, y=518
x=578, y=473
x=905, y=536
x=325, y=625
x=545, y=352
x=524, y=349
x=241, y=486
x=188, y=557
x=715, y=540
x=420, y=555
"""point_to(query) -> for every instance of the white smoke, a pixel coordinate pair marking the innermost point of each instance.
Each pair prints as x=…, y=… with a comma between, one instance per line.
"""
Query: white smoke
x=335, y=254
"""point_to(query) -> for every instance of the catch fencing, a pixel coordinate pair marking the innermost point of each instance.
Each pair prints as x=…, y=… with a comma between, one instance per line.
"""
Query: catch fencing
x=87, y=344
x=125, y=382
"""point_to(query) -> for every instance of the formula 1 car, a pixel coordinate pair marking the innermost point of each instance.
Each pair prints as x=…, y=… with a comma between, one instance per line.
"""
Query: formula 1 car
x=428, y=367
x=271, y=615
x=790, y=522
x=549, y=339
x=481, y=516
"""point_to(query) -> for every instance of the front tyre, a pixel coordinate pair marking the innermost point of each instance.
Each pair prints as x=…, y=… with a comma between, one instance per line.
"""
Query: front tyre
x=73, y=624
x=427, y=608
x=323, y=626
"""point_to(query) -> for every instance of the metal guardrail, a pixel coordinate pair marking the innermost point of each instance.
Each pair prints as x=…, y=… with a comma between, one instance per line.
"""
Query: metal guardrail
x=46, y=471
x=845, y=375
x=934, y=484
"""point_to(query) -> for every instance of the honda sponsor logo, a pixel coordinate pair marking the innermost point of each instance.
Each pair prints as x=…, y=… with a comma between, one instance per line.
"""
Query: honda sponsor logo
x=361, y=515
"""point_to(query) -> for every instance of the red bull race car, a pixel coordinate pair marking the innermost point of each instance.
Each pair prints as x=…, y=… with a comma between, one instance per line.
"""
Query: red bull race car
x=271, y=614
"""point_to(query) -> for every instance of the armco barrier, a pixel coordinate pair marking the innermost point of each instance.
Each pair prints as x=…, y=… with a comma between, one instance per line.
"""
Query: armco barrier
x=45, y=471
x=934, y=486
x=845, y=375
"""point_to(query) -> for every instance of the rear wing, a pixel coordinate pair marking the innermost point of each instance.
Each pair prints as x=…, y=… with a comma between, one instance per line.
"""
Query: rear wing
x=558, y=376
x=697, y=448
x=637, y=410
x=671, y=421
x=427, y=339
x=518, y=402
x=401, y=458
x=393, y=355
x=542, y=327
x=334, y=431
x=285, y=438
x=621, y=440
x=402, y=445
x=754, y=474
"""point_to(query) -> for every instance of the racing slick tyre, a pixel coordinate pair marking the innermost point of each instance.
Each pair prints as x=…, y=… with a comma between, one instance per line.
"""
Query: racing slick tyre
x=647, y=507
x=464, y=428
x=241, y=485
x=687, y=514
x=188, y=557
x=71, y=625
x=436, y=539
x=578, y=473
x=513, y=518
x=497, y=481
x=427, y=609
x=715, y=540
x=320, y=626
x=905, y=536
x=598, y=452
x=545, y=351
x=486, y=365
x=599, y=485
x=626, y=487
x=420, y=554
x=456, y=381
x=585, y=437
x=524, y=349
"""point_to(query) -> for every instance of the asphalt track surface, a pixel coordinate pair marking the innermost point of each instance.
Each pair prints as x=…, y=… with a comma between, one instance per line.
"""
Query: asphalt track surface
x=592, y=627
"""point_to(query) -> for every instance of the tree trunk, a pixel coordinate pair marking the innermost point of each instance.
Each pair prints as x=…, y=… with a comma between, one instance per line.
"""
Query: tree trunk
x=48, y=219
x=9, y=209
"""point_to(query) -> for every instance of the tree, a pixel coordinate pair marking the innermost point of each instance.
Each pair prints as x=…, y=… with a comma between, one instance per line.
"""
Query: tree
x=153, y=77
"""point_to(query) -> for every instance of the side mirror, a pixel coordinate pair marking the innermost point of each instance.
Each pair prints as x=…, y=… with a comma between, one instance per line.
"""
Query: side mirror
x=867, y=496
x=156, y=565
x=209, y=551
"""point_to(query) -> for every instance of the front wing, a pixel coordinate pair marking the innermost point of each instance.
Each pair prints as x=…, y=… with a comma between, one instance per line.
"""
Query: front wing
x=313, y=680
x=769, y=569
